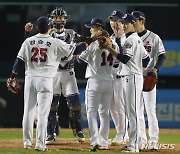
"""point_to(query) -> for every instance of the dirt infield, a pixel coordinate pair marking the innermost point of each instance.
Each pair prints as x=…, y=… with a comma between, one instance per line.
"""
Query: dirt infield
x=71, y=144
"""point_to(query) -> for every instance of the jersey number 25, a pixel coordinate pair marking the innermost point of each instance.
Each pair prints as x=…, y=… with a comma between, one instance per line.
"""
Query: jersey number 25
x=42, y=52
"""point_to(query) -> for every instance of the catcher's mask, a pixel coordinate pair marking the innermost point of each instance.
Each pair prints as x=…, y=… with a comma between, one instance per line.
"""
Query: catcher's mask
x=58, y=12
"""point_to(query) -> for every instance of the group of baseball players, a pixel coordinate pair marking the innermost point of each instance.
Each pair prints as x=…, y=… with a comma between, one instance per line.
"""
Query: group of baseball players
x=114, y=76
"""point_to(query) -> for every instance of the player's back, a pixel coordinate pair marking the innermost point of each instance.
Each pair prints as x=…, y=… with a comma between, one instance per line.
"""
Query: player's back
x=42, y=55
x=134, y=48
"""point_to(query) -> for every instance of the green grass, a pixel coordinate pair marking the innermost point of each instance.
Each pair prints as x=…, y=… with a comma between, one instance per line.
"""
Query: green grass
x=173, y=138
x=12, y=134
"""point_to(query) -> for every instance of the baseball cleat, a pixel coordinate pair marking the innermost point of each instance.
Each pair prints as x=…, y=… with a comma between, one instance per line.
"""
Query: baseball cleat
x=102, y=147
x=80, y=136
x=50, y=140
x=41, y=149
x=129, y=149
x=117, y=141
x=94, y=148
x=27, y=147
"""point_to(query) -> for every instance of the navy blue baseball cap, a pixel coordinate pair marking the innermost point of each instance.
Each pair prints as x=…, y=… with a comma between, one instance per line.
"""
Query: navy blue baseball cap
x=129, y=18
x=43, y=23
x=117, y=15
x=95, y=22
x=138, y=15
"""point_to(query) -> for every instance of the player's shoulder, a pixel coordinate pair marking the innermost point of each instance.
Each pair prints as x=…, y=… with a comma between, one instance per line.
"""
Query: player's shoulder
x=70, y=31
x=93, y=46
x=132, y=37
x=57, y=40
x=153, y=34
x=31, y=38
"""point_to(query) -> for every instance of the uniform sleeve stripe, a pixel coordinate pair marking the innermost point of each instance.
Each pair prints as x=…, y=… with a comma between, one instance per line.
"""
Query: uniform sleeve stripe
x=83, y=59
x=145, y=56
x=163, y=52
x=127, y=54
x=72, y=50
x=21, y=58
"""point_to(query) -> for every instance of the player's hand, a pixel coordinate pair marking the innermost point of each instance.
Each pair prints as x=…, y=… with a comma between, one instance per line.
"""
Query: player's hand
x=154, y=70
x=28, y=27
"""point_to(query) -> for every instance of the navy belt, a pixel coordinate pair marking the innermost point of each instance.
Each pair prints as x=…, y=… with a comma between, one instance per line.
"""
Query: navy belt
x=120, y=76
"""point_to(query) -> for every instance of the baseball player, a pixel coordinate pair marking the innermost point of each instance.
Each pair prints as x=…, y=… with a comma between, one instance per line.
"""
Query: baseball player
x=154, y=46
x=117, y=106
x=41, y=54
x=64, y=82
x=134, y=55
x=99, y=87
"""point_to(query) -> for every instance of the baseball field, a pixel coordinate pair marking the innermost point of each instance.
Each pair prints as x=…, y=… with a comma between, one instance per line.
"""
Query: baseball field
x=11, y=143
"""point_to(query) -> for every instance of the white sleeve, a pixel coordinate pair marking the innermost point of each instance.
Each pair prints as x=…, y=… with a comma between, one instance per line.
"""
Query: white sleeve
x=21, y=53
x=128, y=48
x=159, y=47
x=85, y=55
x=65, y=51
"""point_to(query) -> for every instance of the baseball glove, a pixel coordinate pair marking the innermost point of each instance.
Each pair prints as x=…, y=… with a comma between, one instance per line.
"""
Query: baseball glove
x=13, y=85
x=150, y=81
x=104, y=39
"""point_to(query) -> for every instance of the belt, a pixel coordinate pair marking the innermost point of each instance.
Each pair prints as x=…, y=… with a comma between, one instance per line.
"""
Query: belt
x=120, y=76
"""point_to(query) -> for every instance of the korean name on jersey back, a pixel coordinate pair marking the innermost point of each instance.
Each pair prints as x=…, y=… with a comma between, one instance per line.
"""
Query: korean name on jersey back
x=42, y=55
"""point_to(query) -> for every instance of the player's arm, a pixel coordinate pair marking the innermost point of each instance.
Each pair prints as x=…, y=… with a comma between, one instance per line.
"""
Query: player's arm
x=160, y=50
x=16, y=67
x=117, y=40
x=119, y=55
x=160, y=62
x=145, y=61
x=80, y=48
x=12, y=83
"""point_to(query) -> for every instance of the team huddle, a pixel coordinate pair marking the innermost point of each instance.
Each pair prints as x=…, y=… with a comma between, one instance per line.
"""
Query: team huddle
x=116, y=67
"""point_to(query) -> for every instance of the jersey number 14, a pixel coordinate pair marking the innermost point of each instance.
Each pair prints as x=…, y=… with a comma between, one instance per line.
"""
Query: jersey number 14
x=106, y=58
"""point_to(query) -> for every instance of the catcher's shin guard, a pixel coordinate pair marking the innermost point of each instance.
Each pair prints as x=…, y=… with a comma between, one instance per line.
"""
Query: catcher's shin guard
x=75, y=118
x=76, y=125
x=53, y=124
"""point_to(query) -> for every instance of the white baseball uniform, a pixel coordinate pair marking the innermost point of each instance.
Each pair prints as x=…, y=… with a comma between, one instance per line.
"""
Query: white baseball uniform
x=65, y=81
x=133, y=47
x=117, y=105
x=154, y=46
x=41, y=54
x=98, y=91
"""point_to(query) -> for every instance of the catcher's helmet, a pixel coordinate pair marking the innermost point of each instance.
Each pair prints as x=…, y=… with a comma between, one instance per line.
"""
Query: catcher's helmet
x=58, y=12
